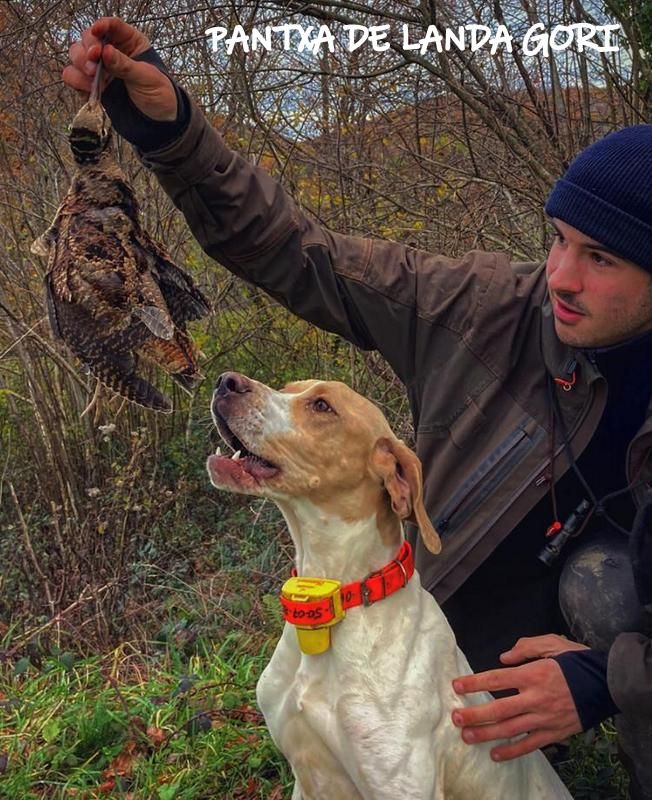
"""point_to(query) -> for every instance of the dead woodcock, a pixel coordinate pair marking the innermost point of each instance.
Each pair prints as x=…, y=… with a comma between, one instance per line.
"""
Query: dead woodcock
x=113, y=294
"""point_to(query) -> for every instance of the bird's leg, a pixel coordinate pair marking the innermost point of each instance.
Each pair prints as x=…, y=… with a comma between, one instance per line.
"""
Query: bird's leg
x=96, y=86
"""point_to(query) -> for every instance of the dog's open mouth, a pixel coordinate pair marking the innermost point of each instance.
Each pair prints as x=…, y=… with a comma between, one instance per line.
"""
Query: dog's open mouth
x=243, y=468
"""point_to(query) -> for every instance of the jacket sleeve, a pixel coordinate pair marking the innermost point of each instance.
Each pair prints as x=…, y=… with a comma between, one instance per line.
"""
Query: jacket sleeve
x=374, y=293
x=629, y=674
x=585, y=672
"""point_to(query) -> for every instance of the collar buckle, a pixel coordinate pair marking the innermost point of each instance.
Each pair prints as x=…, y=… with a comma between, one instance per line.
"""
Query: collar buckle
x=365, y=593
x=401, y=566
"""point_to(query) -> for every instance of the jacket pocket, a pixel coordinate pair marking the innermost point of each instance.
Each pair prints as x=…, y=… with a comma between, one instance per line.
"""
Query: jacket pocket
x=484, y=480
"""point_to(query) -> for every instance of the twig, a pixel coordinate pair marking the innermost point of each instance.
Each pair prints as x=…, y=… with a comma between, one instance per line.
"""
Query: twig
x=30, y=549
x=96, y=395
x=44, y=344
x=83, y=598
x=4, y=469
x=134, y=730
x=20, y=338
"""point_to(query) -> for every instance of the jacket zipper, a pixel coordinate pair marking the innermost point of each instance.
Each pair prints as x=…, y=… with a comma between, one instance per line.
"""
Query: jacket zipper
x=499, y=463
x=561, y=447
x=457, y=501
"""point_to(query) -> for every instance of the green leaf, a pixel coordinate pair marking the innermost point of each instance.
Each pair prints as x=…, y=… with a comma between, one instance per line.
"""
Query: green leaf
x=51, y=730
x=168, y=792
x=21, y=666
x=230, y=700
x=67, y=661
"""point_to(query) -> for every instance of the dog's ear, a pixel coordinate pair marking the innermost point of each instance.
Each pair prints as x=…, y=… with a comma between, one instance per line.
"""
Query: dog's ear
x=400, y=471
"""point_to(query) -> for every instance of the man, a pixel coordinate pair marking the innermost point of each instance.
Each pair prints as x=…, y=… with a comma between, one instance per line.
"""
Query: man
x=507, y=368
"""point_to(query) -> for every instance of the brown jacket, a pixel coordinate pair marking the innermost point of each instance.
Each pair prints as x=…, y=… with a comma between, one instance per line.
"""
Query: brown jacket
x=471, y=339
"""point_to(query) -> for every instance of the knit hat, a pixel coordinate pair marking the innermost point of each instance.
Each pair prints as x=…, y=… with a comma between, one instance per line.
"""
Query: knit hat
x=606, y=194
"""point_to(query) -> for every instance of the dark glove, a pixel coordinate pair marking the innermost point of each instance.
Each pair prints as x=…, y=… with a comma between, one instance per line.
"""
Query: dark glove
x=145, y=133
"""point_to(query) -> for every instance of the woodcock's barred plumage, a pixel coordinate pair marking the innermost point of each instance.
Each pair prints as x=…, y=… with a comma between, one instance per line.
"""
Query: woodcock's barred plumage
x=113, y=295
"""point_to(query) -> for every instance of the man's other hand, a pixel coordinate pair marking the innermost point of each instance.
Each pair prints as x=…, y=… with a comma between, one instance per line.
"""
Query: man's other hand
x=541, y=713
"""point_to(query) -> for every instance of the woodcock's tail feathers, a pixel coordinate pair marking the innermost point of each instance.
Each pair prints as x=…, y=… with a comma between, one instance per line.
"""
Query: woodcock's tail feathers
x=113, y=362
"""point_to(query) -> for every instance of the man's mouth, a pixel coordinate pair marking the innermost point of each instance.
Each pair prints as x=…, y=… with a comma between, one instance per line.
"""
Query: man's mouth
x=244, y=467
x=565, y=312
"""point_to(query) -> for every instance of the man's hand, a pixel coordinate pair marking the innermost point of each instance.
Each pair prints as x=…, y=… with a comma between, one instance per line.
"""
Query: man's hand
x=543, y=708
x=149, y=89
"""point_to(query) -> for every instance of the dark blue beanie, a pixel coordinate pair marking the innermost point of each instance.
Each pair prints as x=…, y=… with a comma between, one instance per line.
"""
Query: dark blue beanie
x=606, y=194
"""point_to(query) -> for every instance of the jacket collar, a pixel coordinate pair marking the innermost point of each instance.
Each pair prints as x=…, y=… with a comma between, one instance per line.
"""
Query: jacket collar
x=561, y=360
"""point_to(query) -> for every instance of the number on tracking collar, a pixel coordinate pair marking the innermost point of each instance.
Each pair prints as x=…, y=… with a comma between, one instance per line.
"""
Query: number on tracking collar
x=313, y=606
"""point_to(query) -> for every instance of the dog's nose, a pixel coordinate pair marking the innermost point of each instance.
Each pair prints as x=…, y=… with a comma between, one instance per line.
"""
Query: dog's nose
x=232, y=383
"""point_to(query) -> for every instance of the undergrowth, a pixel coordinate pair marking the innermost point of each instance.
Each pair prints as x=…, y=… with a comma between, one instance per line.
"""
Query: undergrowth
x=159, y=727
x=176, y=718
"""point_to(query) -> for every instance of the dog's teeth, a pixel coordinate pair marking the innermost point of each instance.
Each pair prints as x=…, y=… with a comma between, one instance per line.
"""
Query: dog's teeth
x=236, y=455
x=218, y=452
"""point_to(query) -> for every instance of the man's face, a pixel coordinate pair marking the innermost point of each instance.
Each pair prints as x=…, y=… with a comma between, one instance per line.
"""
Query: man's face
x=598, y=298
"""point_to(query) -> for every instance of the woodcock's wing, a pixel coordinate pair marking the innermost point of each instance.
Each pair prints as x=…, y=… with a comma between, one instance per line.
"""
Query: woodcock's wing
x=113, y=294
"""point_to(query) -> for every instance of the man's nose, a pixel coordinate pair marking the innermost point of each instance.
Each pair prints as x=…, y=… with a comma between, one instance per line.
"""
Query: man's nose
x=565, y=272
x=232, y=383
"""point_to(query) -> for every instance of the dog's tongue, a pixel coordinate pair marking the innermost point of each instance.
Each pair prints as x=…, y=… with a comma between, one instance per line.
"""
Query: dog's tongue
x=243, y=472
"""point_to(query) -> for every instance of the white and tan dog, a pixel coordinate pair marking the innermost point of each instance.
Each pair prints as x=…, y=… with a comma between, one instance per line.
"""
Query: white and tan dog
x=370, y=717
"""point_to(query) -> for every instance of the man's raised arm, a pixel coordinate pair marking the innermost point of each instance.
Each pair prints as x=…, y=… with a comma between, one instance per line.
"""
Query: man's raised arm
x=375, y=293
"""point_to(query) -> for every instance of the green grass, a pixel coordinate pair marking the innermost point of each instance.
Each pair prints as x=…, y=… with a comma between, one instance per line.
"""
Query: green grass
x=168, y=726
x=176, y=719
x=161, y=727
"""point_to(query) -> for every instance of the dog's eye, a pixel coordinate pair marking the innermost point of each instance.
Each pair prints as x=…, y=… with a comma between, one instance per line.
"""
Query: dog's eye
x=321, y=405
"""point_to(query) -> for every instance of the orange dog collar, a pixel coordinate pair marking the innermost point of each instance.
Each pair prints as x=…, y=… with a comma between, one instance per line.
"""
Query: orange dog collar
x=316, y=604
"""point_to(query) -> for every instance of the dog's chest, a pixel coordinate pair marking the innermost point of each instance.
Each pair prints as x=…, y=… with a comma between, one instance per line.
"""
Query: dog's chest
x=295, y=684
x=379, y=668
x=374, y=711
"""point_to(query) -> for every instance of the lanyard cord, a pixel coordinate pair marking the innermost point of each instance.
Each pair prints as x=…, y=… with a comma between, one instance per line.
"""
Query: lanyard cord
x=597, y=506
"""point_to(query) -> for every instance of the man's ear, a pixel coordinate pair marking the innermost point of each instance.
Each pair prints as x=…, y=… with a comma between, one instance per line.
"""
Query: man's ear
x=400, y=471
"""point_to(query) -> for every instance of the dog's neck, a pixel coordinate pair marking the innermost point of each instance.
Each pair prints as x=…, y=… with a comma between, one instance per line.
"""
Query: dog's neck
x=328, y=546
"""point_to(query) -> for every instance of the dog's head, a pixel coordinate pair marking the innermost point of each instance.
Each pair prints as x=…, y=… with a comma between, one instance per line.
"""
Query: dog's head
x=318, y=440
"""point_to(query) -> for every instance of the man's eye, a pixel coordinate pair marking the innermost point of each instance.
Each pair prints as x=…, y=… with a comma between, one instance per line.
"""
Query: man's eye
x=601, y=260
x=321, y=405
